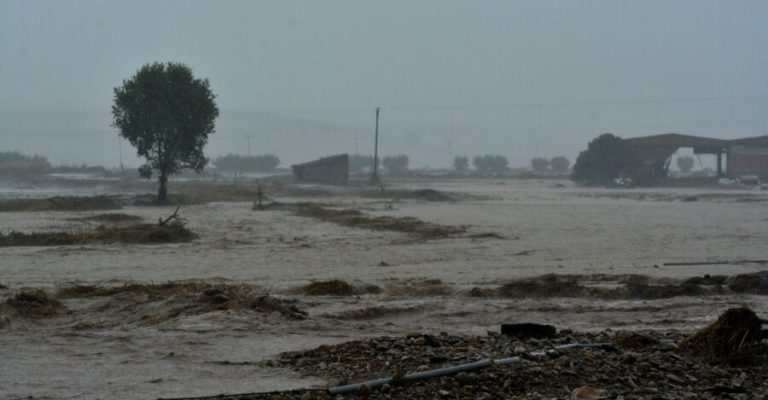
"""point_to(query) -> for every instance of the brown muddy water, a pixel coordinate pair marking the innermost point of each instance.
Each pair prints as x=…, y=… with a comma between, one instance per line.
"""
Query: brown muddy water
x=150, y=344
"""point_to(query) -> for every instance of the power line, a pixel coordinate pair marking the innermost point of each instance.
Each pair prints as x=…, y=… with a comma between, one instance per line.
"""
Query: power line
x=433, y=106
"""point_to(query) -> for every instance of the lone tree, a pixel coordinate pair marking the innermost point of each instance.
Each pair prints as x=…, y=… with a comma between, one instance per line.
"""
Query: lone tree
x=559, y=164
x=685, y=163
x=167, y=115
x=605, y=159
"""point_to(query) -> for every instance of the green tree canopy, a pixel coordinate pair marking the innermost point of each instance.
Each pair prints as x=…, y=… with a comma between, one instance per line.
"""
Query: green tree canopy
x=604, y=160
x=167, y=115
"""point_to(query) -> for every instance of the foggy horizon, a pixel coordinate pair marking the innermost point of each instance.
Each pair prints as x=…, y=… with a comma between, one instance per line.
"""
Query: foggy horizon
x=302, y=79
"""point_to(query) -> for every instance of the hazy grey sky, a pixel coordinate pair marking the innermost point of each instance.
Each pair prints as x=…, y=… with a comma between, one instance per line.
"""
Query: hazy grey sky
x=517, y=78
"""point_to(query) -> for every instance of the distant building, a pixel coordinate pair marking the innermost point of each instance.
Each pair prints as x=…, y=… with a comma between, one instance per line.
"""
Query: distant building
x=743, y=157
x=333, y=170
x=748, y=157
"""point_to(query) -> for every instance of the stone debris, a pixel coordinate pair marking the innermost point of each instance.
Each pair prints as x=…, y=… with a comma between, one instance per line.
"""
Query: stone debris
x=649, y=369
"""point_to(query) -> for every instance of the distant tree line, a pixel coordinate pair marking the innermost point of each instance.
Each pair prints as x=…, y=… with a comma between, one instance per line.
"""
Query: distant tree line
x=14, y=162
x=241, y=163
x=557, y=164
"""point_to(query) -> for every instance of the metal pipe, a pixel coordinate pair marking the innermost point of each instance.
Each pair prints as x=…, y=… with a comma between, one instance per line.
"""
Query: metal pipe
x=412, y=377
x=477, y=365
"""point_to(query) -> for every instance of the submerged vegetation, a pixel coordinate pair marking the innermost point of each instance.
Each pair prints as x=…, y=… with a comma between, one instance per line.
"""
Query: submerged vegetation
x=61, y=203
x=174, y=232
x=357, y=219
x=33, y=303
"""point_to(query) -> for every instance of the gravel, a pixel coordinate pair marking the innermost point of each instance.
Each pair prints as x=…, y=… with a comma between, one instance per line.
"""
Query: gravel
x=648, y=365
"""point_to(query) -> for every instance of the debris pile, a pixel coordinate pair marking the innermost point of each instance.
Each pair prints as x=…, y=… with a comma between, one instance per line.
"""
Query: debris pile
x=733, y=339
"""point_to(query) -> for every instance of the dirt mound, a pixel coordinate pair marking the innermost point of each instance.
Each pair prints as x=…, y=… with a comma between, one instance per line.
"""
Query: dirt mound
x=134, y=234
x=645, y=291
x=336, y=287
x=756, y=283
x=549, y=285
x=34, y=304
x=370, y=313
x=733, y=339
x=68, y=203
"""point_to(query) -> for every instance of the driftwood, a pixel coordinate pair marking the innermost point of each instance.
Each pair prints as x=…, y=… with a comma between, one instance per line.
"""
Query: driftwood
x=175, y=216
x=734, y=262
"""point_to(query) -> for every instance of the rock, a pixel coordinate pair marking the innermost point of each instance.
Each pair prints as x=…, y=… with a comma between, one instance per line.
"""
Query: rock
x=632, y=340
x=465, y=379
x=586, y=393
x=306, y=396
x=529, y=330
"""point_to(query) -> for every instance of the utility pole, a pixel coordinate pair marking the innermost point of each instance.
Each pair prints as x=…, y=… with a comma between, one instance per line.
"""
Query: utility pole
x=120, y=151
x=248, y=137
x=375, y=175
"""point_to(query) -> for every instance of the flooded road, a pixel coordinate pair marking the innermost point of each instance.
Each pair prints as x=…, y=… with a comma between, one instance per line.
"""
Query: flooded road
x=149, y=345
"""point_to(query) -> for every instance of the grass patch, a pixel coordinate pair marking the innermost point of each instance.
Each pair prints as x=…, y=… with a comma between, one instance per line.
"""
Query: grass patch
x=131, y=234
x=357, y=219
x=34, y=304
x=60, y=203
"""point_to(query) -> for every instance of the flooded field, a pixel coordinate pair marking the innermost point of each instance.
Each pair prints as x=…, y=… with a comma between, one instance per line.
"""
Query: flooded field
x=115, y=327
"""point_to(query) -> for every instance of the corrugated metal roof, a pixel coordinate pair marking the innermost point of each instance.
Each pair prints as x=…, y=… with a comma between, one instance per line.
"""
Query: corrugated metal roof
x=676, y=140
x=751, y=141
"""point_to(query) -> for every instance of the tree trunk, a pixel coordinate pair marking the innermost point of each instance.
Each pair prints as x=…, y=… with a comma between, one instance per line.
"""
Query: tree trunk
x=162, y=193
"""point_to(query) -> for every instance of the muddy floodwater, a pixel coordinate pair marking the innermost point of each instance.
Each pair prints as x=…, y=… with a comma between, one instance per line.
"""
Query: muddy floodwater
x=184, y=341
